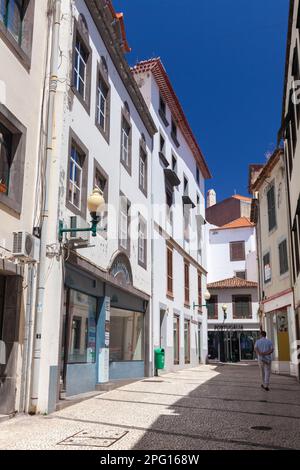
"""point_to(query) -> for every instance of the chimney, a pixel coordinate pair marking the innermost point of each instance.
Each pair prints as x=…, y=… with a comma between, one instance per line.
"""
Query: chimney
x=211, y=198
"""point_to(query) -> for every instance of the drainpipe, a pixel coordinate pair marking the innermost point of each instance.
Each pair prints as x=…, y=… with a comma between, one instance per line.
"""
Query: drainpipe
x=44, y=215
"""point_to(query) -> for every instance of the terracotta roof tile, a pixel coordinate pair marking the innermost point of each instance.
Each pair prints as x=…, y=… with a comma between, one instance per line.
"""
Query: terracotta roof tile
x=242, y=222
x=165, y=87
x=233, y=282
x=242, y=198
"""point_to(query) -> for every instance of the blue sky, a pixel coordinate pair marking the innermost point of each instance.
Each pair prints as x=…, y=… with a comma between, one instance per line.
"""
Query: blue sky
x=225, y=59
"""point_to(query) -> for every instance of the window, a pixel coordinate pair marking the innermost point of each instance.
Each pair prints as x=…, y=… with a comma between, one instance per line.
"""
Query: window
x=162, y=145
x=241, y=306
x=126, y=144
x=77, y=174
x=16, y=26
x=187, y=334
x=288, y=148
x=240, y=274
x=124, y=240
x=176, y=343
x=82, y=324
x=283, y=257
x=101, y=182
x=143, y=171
x=103, y=102
x=82, y=60
x=174, y=163
x=142, y=242
x=185, y=186
x=186, y=222
x=296, y=77
x=267, y=268
x=296, y=243
x=6, y=138
x=174, y=133
x=271, y=207
x=199, y=291
x=126, y=336
x=162, y=105
x=186, y=283
x=12, y=156
x=212, y=308
x=237, y=251
x=169, y=271
x=197, y=175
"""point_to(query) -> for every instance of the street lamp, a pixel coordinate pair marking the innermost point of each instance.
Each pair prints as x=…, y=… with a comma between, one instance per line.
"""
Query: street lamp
x=95, y=204
x=206, y=297
x=224, y=308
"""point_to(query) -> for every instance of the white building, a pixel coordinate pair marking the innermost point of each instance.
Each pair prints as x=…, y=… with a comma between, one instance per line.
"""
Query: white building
x=179, y=171
x=93, y=322
x=270, y=213
x=233, y=323
x=23, y=39
x=290, y=133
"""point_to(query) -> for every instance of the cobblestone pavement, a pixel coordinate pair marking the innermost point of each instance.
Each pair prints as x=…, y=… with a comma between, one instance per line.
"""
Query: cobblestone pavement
x=207, y=407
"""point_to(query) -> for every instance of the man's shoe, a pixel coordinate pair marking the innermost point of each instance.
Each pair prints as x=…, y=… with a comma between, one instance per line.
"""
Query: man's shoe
x=262, y=386
x=266, y=388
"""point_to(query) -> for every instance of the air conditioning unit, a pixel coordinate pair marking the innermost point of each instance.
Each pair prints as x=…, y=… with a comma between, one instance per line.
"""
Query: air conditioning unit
x=26, y=246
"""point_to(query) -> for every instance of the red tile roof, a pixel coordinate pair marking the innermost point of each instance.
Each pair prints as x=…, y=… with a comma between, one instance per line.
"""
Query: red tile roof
x=242, y=198
x=242, y=222
x=232, y=283
x=119, y=17
x=156, y=67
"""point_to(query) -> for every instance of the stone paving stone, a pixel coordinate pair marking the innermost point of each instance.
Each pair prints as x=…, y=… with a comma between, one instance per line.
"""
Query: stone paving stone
x=208, y=407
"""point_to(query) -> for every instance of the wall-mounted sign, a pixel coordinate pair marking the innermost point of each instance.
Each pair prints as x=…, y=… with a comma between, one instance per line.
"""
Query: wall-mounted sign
x=228, y=327
x=121, y=270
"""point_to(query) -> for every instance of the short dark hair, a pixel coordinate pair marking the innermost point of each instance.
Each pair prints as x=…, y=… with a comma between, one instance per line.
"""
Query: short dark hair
x=263, y=333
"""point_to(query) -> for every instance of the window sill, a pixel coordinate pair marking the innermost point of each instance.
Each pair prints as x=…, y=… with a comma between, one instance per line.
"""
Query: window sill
x=85, y=103
x=126, y=167
x=105, y=134
x=169, y=296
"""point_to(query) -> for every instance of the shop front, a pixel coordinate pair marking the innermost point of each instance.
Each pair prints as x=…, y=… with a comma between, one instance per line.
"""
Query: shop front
x=105, y=327
x=232, y=343
x=278, y=332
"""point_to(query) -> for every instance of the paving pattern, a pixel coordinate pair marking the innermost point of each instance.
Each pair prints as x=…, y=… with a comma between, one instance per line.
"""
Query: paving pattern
x=208, y=407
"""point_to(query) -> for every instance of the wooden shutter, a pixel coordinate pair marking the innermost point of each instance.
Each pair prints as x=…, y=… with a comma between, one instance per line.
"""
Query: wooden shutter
x=186, y=283
x=169, y=271
x=237, y=251
x=271, y=208
x=199, y=291
x=283, y=260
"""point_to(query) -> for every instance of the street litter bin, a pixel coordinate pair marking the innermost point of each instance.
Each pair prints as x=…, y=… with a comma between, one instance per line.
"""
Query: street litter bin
x=159, y=358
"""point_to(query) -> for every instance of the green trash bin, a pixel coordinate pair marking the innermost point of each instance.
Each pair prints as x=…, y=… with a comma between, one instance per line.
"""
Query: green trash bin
x=159, y=358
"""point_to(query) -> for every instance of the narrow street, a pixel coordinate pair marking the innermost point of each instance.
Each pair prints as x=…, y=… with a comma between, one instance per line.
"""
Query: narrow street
x=208, y=407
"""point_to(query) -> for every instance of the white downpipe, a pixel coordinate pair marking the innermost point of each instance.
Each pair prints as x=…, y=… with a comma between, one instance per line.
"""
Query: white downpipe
x=44, y=218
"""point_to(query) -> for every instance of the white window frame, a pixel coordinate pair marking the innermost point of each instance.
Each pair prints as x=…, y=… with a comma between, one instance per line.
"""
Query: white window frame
x=101, y=105
x=72, y=179
x=78, y=60
x=123, y=223
x=141, y=241
x=142, y=178
x=125, y=146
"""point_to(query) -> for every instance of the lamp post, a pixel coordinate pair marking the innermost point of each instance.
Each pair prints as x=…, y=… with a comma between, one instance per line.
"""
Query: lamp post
x=95, y=204
x=222, y=345
x=206, y=297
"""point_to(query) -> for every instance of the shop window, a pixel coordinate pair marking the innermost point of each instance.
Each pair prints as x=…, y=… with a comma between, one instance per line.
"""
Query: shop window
x=212, y=308
x=82, y=328
x=176, y=343
x=242, y=306
x=126, y=336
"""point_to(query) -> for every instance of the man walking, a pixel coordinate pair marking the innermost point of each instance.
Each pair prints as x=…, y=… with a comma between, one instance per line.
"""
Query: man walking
x=264, y=349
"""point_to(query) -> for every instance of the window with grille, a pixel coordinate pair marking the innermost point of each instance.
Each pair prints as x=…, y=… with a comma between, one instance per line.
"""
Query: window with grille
x=241, y=306
x=237, y=251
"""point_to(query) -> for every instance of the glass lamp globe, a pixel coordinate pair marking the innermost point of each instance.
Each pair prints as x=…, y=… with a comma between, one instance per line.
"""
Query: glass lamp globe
x=207, y=295
x=95, y=201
